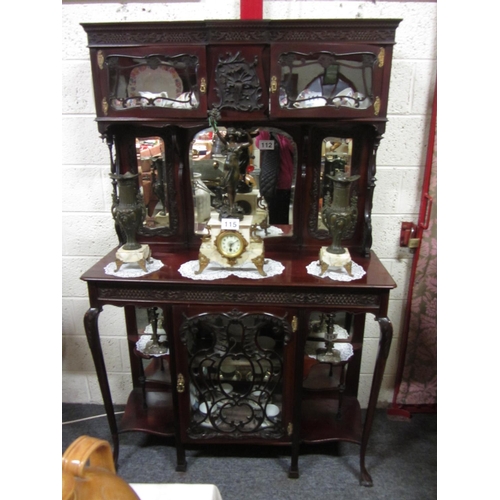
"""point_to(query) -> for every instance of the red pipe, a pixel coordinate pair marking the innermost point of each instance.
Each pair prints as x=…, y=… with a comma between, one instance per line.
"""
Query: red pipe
x=251, y=9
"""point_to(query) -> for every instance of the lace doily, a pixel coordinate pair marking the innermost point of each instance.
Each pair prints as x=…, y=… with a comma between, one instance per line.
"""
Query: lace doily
x=336, y=273
x=215, y=271
x=271, y=231
x=132, y=270
x=145, y=341
x=345, y=349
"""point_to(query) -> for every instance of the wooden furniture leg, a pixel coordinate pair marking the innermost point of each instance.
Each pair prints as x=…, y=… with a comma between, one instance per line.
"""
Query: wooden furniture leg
x=383, y=351
x=92, y=331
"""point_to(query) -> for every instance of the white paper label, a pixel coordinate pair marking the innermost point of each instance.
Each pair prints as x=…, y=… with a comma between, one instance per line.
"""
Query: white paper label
x=233, y=224
x=266, y=145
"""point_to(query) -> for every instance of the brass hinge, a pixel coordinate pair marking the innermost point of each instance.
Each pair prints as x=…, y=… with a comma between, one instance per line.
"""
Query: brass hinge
x=381, y=57
x=104, y=105
x=295, y=324
x=203, y=85
x=274, y=84
x=100, y=59
x=289, y=429
x=376, y=106
x=181, y=383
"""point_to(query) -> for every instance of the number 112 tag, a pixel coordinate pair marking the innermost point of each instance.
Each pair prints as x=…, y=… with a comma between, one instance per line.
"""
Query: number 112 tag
x=232, y=224
x=266, y=145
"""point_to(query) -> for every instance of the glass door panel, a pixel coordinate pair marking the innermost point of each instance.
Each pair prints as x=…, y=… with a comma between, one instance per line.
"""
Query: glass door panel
x=336, y=81
x=235, y=370
x=135, y=82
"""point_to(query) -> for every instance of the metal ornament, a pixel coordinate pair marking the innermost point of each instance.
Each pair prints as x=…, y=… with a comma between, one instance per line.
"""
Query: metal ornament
x=156, y=347
x=128, y=208
x=340, y=213
x=329, y=354
x=129, y=212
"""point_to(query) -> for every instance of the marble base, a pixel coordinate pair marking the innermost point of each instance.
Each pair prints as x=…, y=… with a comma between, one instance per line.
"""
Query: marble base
x=327, y=260
x=139, y=256
x=254, y=251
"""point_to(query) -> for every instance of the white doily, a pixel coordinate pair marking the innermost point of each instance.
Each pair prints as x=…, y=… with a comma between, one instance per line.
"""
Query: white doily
x=336, y=273
x=132, y=270
x=271, y=231
x=215, y=271
x=345, y=349
x=145, y=341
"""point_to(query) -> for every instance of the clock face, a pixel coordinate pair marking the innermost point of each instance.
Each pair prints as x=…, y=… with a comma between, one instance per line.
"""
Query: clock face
x=231, y=244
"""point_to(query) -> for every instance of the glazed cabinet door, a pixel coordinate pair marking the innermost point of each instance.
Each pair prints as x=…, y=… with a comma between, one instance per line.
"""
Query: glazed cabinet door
x=150, y=82
x=235, y=374
x=328, y=80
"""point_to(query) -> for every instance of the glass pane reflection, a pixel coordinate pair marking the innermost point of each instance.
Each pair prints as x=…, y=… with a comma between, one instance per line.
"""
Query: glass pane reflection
x=326, y=79
x=153, y=81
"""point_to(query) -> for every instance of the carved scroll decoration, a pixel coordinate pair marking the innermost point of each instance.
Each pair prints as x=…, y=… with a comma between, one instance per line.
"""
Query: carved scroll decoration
x=237, y=83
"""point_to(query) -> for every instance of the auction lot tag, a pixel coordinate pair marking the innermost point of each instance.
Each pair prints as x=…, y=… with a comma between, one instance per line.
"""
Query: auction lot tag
x=266, y=145
x=232, y=224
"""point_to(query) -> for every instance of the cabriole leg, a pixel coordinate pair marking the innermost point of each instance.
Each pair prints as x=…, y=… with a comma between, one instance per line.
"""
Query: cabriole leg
x=92, y=331
x=383, y=352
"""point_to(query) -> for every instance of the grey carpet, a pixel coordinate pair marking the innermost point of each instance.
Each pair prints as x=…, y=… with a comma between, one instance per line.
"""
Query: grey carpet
x=401, y=459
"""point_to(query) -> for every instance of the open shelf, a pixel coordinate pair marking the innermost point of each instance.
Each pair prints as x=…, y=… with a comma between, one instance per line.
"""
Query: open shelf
x=319, y=421
x=157, y=418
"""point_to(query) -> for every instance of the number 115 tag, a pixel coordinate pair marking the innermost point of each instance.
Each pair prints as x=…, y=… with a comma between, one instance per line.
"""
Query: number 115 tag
x=232, y=224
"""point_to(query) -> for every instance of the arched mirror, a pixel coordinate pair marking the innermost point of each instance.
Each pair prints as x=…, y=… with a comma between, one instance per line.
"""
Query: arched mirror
x=264, y=183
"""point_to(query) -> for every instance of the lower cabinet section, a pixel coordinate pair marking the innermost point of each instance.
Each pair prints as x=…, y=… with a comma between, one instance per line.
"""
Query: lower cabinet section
x=236, y=379
x=279, y=369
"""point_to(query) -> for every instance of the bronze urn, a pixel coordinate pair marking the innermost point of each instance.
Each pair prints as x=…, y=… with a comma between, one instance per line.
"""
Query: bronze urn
x=128, y=208
x=340, y=212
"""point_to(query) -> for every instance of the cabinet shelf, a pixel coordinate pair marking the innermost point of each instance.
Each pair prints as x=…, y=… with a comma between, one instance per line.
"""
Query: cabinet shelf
x=319, y=422
x=157, y=418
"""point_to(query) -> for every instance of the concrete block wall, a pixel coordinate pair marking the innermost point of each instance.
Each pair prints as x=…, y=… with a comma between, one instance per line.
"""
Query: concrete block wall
x=88, y=228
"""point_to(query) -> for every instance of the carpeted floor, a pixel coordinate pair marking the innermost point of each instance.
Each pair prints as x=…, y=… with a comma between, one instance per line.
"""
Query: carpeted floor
x=401, y=459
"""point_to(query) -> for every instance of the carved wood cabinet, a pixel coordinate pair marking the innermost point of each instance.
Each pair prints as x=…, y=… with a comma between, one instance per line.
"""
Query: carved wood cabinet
x=246, y=358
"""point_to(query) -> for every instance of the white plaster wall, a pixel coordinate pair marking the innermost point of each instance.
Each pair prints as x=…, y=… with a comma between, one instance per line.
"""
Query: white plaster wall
x=87, y=226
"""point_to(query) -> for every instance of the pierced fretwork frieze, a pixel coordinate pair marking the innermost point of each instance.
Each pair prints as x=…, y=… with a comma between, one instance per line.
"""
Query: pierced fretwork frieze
x=336, y=35
x=127, y=37
x=262, y=297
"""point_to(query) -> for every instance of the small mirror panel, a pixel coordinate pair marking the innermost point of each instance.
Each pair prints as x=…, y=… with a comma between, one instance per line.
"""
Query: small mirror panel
x=336, y=154
x=266, y=185
x=151, y=166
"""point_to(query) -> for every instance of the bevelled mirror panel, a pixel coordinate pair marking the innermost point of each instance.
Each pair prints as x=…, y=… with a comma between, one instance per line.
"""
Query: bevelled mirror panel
x=151, y=166
x=266, y=185
x=336, y=154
